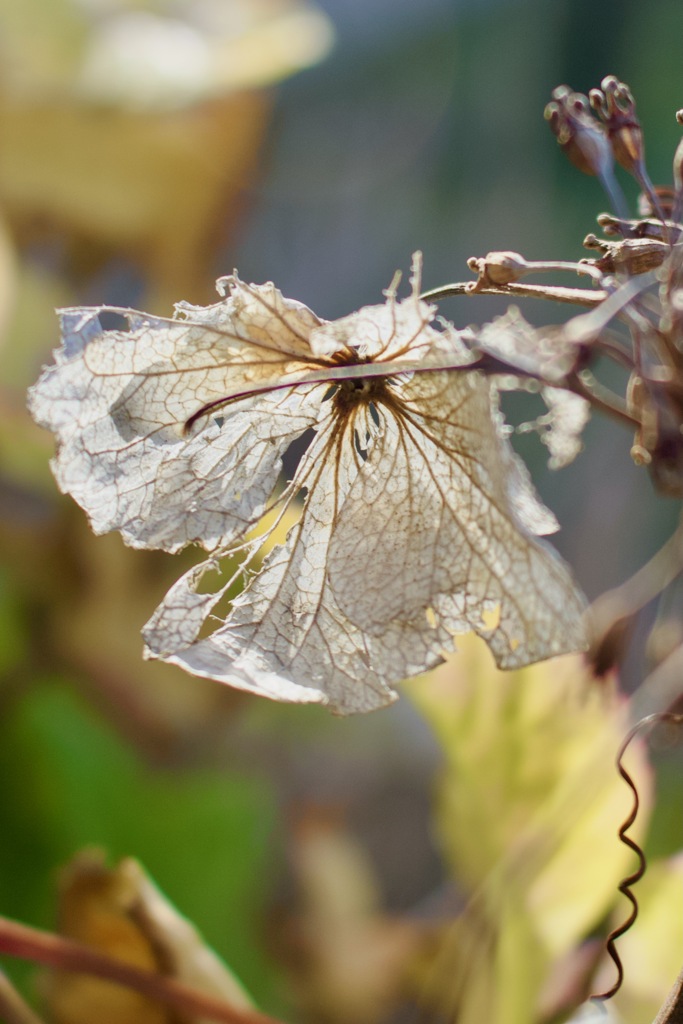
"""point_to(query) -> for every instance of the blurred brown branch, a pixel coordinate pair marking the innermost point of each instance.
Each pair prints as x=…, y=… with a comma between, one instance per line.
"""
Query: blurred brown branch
x=18, y=940
x=672, y=1010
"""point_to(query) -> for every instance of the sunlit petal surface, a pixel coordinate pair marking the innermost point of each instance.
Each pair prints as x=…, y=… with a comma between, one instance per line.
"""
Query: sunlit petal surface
x=418, y=520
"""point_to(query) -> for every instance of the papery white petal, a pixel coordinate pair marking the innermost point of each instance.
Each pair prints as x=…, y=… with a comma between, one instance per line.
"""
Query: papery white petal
x=567, y=416
x=548, y=352
x=431, y=528
x=421, y=534
x=119, y=402
x=391, y=331
x=527, y=508
x=419, y=522
x=176, y=623
x=285, y=637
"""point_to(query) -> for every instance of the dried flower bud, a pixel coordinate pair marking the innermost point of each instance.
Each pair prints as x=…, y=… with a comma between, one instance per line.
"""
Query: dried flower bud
x=498, y=268
x=616, y=106
x=648, y=226
x=592, y=241
x=579, y=134
x=635, y=255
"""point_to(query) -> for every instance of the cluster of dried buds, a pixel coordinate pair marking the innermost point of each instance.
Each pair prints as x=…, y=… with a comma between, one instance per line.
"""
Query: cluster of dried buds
x=635, y=293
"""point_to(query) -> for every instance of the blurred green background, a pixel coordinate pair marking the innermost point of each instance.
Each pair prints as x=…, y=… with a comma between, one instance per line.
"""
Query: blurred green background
x=146, y=149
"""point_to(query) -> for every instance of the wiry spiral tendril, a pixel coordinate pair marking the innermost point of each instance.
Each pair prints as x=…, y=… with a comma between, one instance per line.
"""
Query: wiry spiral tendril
x=630, y=880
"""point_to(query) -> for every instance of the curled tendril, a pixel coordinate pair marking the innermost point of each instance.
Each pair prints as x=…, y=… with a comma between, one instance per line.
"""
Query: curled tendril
x=630, y=880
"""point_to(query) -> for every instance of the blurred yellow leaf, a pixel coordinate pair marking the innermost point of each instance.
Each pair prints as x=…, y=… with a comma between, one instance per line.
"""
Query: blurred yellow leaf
x=146, y=59
x=136, y=130
x=120, y=912
x=113, y=178
x=528, y=812
x=156, y=55
x=40, y=44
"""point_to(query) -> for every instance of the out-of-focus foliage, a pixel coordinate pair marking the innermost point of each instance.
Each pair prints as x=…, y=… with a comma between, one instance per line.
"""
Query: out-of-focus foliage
x=528, y=811
x=348, y=958
x=119, y=911
x=534, y=742
x=79, y=786
x=134, y=129
x=156, y=54
x=7, y=272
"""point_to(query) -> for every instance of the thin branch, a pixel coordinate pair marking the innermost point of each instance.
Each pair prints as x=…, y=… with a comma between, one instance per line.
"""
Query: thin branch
x=574, y=296
x=551, y=266
x=660, y=688
x=602, y=398
x=18, y=940
x=672, y=1010
x=611, y=348
x=586, y=327
x=644, y=586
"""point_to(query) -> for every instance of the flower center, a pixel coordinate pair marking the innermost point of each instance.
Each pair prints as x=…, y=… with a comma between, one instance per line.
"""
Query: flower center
x=350, y=394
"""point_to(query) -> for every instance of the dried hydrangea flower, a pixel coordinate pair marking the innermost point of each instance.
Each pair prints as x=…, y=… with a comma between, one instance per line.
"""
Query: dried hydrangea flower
x=418, y=521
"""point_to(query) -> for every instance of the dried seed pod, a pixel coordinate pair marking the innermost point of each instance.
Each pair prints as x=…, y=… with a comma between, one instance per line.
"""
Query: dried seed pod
x=647, y=227
x=579, y=134
x=498, y=268
x=634, y=255
x=614, y=103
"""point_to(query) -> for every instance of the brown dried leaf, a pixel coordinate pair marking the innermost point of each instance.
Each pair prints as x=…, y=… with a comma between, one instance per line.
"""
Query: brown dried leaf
x=418, y=521
x=121, y=912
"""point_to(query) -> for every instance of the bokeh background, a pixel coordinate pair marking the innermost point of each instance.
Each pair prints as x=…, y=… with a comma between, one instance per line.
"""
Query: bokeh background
x=146, y=149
